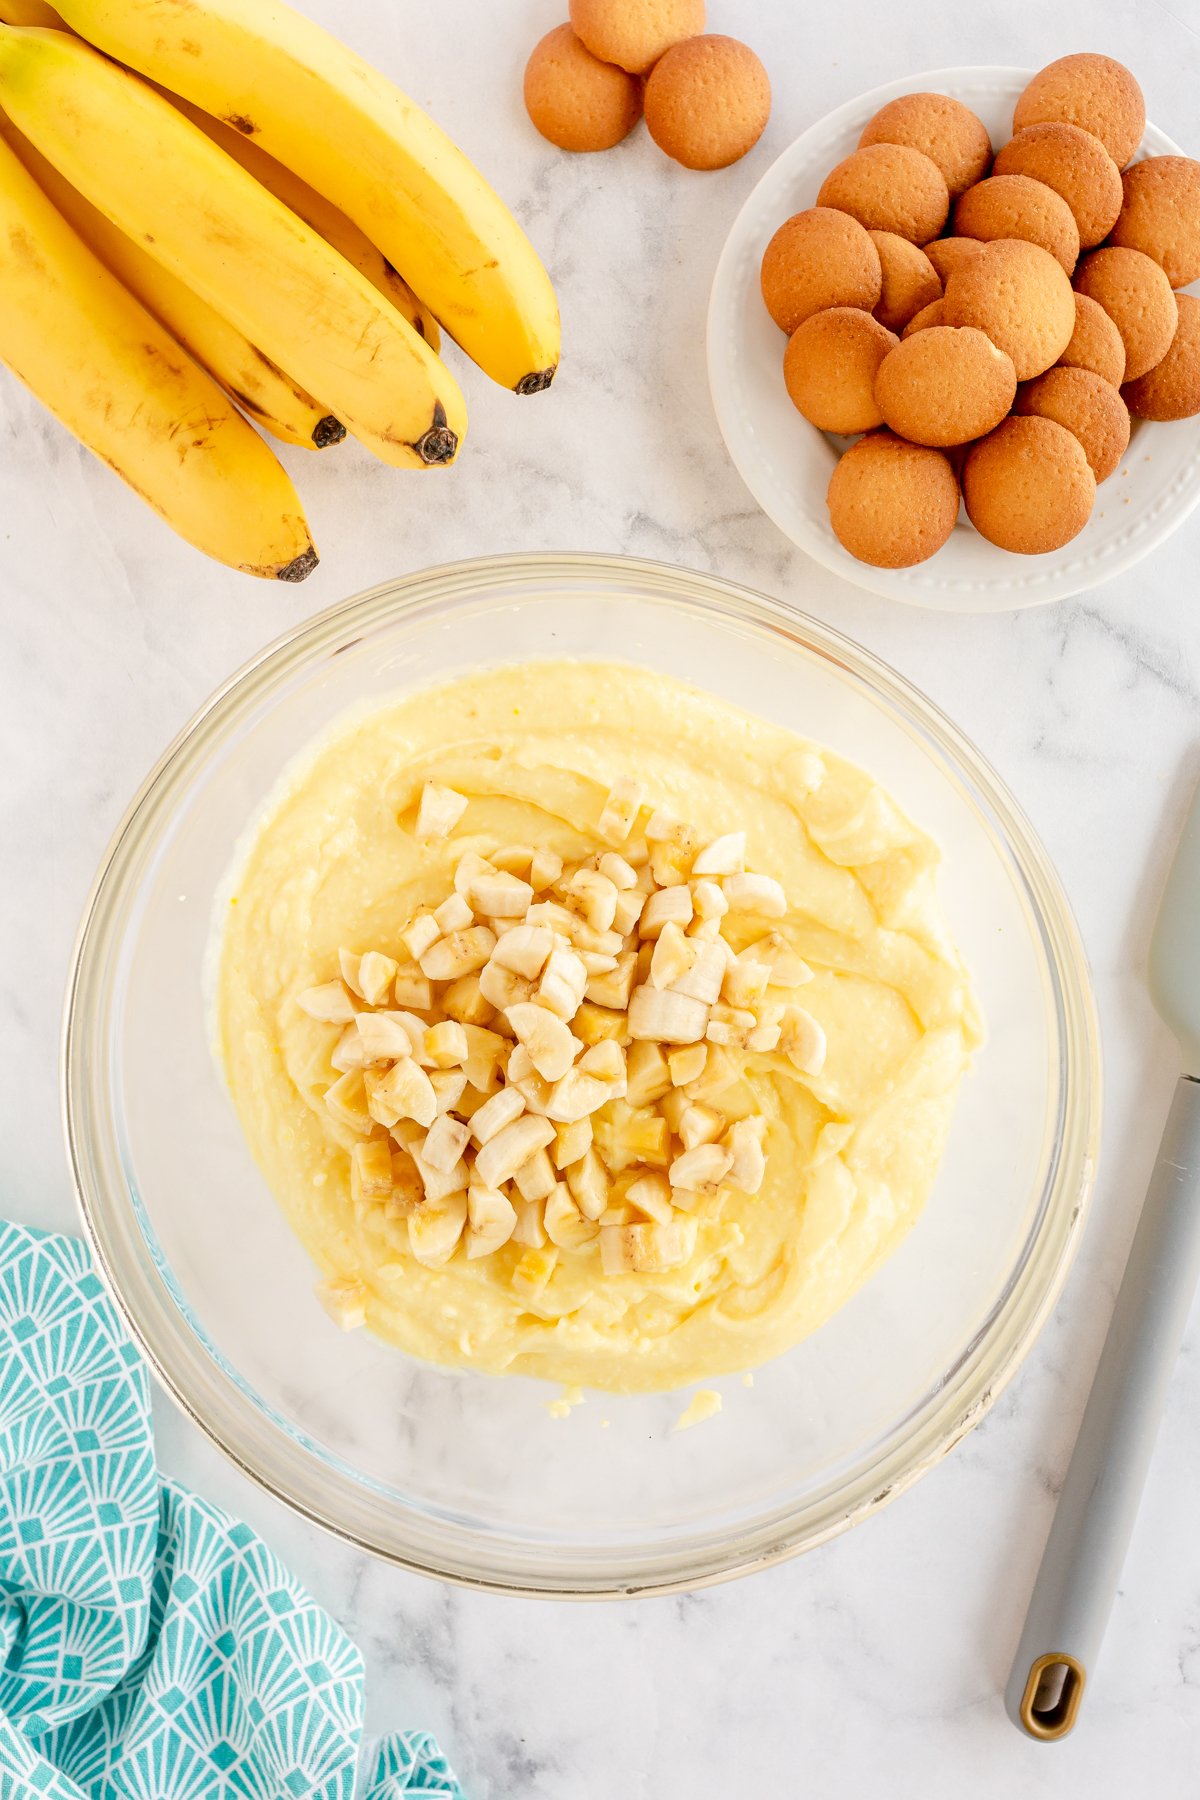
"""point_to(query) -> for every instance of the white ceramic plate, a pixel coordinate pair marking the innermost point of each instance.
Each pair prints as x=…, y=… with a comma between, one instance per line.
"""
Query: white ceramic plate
x=786, y=463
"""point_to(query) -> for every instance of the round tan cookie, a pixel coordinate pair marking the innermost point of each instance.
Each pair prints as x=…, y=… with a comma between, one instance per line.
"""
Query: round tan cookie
x=948, y=253
x=1076, y=165
x=890, y=503
x=1160, y=215
x=1019, y=295
x=1090, y=409
x=635, y=33
x=945, y=385
x=1093, y=92
x=933, y=314
x=707, y=102
x=830, y=366
x=1171, y=390
x=1095, y=343
x=888, y=187
x=816, y=259
x=944, y=130
x=1137, y=297
x=574, y=99
x=1013, y=206
x=910, y=280
x=1028, y=487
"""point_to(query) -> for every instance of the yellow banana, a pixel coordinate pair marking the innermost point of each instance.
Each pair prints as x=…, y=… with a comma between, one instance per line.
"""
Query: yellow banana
x=121, y=383
x=318, y=108
x=318, y=212
x=260, y=389
x=30, y=12
x=154, y=174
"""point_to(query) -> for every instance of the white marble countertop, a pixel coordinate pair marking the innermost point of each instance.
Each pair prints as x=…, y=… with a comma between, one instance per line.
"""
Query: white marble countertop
x=874, y=1664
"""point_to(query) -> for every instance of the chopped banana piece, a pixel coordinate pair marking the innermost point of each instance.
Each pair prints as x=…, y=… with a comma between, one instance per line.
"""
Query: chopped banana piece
x=621, y=873
x=724, y=856
x=371, y=1170
x=802, y=1041
x=563, y=983
x=672, y=956
x=533, y=1272
x=745, y=982
x=346, y=1101
x=708, y=902
x=687, y=1064
x=500, y=1158
x=344, y=1298
x=434, y=1229
x=350, y=1052
x=702, y=980
x=587, y=1179
x=470, y=867
x=445, y=1143
x=595, y=963
x=592, y=1024
x=448, y=1085
x=552, y=1047
x=525, y=950
x=501, y=896
x=749, y=1164
x=612, y=987
x=646, y=1137
x=536, y=1179
x=575, y=1097
x=439, y=811
x=332, y=1003
x=438, y=1183
x=407, y=1090
x=496, y=1113
x=502, y=987
x=755, y=894
x=788, y=970
x=464, y=1000
x=661, y=826
x=628, y=910
x=764, y=1037
x=376, y=974
x=565, y=1224
x=718, y=1074
x=446, y=1044
x=648, y=1076
x=700, y=1125
x=594, y=895
x=411, y=988
x=348, y=963
x=648, y=1249
x=620, y=809
x=454, y=914
x=702, y=1170
x=571, y=1142
x=561, y=920
x=385, y=1036
x=651, y=1194
x=667, y=905
x=528, y=1230
x=544, y=870
x=673, y=1105
x=484, y=1052
x=514, y=859
x=669, y=1017
x=606, y=1061
x=670, y=865
x=491, y=1220
x=419, y=933
x=461, y=953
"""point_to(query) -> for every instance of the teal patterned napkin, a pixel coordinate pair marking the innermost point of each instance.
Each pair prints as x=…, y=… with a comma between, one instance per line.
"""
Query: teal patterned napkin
x=151, y=1647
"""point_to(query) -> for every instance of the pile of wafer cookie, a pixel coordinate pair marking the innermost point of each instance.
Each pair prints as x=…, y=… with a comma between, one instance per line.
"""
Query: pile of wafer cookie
x=989, y=322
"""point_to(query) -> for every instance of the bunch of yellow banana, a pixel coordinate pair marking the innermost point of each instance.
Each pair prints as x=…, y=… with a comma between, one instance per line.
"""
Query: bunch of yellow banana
x=228, y=206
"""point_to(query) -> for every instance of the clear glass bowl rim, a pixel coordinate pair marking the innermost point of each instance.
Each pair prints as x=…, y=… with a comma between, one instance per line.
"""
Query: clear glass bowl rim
x=215, y=1403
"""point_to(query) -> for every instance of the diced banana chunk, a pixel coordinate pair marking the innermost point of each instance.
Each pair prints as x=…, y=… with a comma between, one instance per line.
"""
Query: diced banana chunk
x=446, y=1044
x=668, y=1017
x=702, y=1170
x=755, y=894
x=647, y=1074
x=500, y=1158
x=788, y=970
x=661, y=827
x=376, y=974
x=434, y=1229
x=514, y=859
x=501, y=896
x=502, y=987
x=332, y=1003
x=651, y=1194
x=346, y=1101
x=648, y=1249
x=702, y=979
x=348, y=963
x=672, y=956
x=491, y=1220
x=620, y=809
x=439, y=811
x=724, y=856
x=411, y=988
x=708, y=901
x=503, y=1107
x=449, y=1085
x=445, y=1142
x=563, y=983
x=745, y=982
x=464, y=1000
x=700, y=1124
x=470, y=867
x=528, y=1230
x=802, y=1040
x=454, y=914
x=407, y=1090
x=371, y=1170
x=594, y=895
x=532, y=1274
x=613, y=986
x=552, y=1047
x=575, y=1097
x=544, y=870
x=565, y=1224
x=686, y=1064
x=461, y=953
x=571, y=1142
x=622, y=874
x=592, y=1024
x=536, y=1179
x=525, y=950
x=419, y=933
x=666, y=906
x=344, y=1298
x=587, y=1179
x=350, y=1052
x=438, y=1183
x=749, y=1164
x=629, y=908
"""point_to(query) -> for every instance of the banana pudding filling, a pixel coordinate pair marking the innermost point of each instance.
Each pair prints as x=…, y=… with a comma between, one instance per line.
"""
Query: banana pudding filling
x=587, y=1027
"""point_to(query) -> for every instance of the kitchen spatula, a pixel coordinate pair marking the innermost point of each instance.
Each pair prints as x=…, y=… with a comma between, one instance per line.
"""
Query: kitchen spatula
x=1081, y=1565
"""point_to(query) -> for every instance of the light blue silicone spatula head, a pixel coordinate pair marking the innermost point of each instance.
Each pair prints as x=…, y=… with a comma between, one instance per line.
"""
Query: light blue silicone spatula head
x=1175, y=947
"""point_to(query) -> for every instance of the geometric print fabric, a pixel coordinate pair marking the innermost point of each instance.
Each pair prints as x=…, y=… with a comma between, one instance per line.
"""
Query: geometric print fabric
x=151, y=1647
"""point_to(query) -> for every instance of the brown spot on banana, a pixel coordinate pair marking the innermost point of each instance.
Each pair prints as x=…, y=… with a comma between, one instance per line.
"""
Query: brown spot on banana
x=328, y=431
x=537, y=382
x=241, y=123
x=300, y=566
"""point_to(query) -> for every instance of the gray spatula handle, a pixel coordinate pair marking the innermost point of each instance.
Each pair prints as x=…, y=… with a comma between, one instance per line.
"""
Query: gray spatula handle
x=1081, y=1566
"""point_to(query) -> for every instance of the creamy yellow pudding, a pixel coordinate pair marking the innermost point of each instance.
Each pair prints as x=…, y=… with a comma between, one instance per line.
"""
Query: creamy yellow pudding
x=844, y=1023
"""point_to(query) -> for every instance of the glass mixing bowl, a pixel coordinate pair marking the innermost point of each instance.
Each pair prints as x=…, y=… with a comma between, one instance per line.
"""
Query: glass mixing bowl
x=466, y=1476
